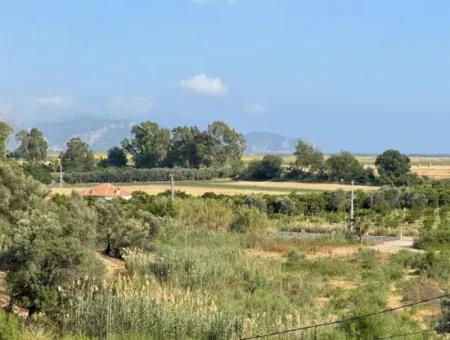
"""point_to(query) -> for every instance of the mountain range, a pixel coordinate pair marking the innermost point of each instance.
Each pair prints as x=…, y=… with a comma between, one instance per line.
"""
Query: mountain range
x=102, y=133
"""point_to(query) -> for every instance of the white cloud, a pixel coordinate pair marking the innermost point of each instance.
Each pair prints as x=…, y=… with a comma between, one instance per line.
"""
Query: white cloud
x=132, y=104
x=58, y=102
x=208, y=86
x=255, y=109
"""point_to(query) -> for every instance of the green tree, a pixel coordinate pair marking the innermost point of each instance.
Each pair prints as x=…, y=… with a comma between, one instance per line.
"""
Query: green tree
x=393, y=167
x=117, y=157
x=184, y=148
x=77, y=157
x=207, y=151
x=32, y=146
x=231, y=144
x=343, y=166
x=39, y=172
x=44, y=245
x=116, y=231
x=44, y=260
x=17, y=192
x=308, y=158
x=5, y=131
x=271, y=166
x=149, y=146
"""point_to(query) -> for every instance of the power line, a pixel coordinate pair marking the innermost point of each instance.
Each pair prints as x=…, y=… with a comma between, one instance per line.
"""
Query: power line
x=405, y=334
x=354, y=318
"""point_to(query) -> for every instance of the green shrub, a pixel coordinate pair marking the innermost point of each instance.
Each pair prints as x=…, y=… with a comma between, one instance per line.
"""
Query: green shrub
x=9, y=327
x=204, y=213
x=434, y=264
x=434, y=238
x=294, y=260
x=114, y=175
x=249, y=220
x=41, y=173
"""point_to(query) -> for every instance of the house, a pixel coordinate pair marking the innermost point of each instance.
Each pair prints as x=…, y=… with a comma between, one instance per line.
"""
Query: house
x=106, y=191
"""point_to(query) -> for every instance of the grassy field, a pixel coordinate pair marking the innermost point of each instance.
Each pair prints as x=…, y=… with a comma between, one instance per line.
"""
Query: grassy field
x=228, y=187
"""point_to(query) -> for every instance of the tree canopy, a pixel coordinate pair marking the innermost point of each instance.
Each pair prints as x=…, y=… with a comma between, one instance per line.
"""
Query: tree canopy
x=5, y=131
x=77, y=157
x=344, y=166
x=307, y=157
x=268, y=168
x=117, y=157
x=393, y=167
x=185, y=146
x=32, y=146
x=149, y=146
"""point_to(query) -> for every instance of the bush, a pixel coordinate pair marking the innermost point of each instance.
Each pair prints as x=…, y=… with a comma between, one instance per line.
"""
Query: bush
x=269, y=167
x=434, y=239
x=435, y=265
x=113, y=175
x=204, y=213
x=284, y=205
x=249, y=220
x=256, y=201
x=39, y=172
x=9, y=327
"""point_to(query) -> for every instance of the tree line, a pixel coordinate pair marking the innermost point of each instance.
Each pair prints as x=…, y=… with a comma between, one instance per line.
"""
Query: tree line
x=151, y=147
x=217, y=147
x=391, y=168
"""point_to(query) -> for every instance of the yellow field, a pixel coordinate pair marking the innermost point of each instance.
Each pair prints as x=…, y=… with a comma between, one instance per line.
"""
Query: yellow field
x=434, y=171
x=154, y=189
x=228, y=187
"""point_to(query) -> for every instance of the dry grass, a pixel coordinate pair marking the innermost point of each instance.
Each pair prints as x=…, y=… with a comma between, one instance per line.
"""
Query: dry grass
x=303, y=186
x=228, y=187
x=154, y=189
x=434, y=171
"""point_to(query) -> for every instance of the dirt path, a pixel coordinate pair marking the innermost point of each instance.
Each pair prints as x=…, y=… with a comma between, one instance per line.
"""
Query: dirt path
x=393, y=247
x=113, y=266
x=4, y=298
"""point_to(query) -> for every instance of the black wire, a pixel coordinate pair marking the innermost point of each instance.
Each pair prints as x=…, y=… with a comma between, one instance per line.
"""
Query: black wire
x=404, y=334
x=345, y=320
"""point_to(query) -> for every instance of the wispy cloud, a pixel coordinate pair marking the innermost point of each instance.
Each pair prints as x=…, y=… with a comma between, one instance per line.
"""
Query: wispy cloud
x=255, y=109
x=204, y=85
x=132, y=104
x=56, y=102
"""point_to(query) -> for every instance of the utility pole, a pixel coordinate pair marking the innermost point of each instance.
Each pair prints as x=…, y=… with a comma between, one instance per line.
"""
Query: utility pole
x=172, y=186
x=60, y=174
x=352, y=208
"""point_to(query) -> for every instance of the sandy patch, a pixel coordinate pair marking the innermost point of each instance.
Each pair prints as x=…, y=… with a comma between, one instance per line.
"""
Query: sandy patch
x=264, y=254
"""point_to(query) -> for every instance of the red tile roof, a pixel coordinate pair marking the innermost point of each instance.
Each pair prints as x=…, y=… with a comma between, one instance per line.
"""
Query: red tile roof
x=106, y=190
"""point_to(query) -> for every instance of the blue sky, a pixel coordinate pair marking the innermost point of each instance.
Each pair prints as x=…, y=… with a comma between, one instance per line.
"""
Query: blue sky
x=345, y=75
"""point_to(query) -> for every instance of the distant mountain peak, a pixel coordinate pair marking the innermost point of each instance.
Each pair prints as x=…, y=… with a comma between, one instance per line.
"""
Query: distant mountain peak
x=261, y=142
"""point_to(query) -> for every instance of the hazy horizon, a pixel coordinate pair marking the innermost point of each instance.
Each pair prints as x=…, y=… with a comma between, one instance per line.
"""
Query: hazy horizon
x=354, y=76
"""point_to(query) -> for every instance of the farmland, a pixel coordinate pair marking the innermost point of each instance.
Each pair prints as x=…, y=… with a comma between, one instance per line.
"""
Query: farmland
x=226, y=187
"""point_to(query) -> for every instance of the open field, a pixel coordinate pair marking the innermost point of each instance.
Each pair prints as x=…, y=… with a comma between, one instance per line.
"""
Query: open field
x=228, y=187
